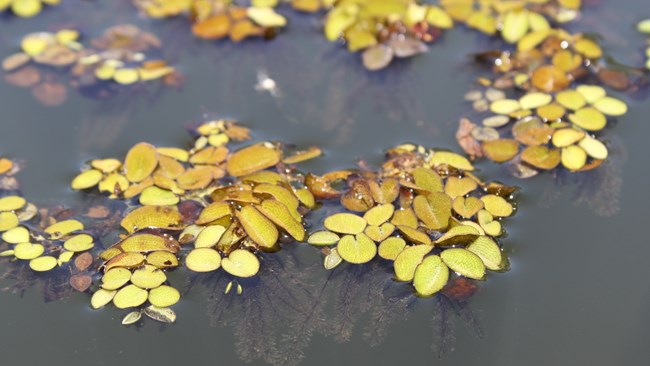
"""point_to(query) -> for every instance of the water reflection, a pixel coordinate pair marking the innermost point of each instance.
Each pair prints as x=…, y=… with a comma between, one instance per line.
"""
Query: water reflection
x=599, y=189
x=334, y=98
x=279, y=312
x=315, y=83
x=370, y=290
x=101, y=218
x=18, y=278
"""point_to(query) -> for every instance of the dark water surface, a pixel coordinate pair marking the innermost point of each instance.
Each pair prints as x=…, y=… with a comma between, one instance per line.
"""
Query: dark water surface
x=577, y=293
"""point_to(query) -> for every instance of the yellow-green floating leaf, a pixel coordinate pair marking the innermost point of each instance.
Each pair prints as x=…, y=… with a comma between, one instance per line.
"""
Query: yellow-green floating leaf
x=19, y=234
x=391, y=247
x=43, y=264
x=130, y=296
x=356, y=249
x=8, y=221
x=79, y=243
x=464, y=262
x=430, y=276
x=408, y=260
x=490, y=253
x=241, y=263
x=115, y=278
x=203, y=260
x=132, y=317
x=12, y=203
x=148, y=277
x=63, y=228
x=27, y=251
x=209, y=236
x=345, y=223
x=164, y=296
x=323, y=237
x=101, y=297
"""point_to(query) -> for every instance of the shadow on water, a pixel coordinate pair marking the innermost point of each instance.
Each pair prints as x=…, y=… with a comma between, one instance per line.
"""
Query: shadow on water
x=281, y=310
x=599, y=190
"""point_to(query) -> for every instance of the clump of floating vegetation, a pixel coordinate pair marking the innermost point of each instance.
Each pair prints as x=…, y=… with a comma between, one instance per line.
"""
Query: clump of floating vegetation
x=540, y=131
x=542, y=111
x=384, y=30
x=58, y=50
x=227, y=205
x=380, y=30
x=26, y=8
x=119, y=56
x=42, y=241
x=213, y=207
x=218, y=19
x=424, y=210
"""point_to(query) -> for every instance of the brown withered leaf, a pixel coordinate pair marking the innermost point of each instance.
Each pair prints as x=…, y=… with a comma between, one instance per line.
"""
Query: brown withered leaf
x=81, y=282
x=467, y=142
x=615, y=79
x=50, y=94
x=215, y=27
x=549, y=78
x=97, y=212
x=358, y=197
x=24, y=77
x=83, y=261
x=320, y=187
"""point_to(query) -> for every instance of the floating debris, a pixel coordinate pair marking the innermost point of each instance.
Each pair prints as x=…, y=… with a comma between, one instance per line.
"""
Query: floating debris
x=266, y=84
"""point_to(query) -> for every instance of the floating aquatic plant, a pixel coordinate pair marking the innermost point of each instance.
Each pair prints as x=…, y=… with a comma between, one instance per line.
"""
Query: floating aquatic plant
x=227, y=203
x=118, y=56
x=542, y=130
x=401, y=28
x=384, y=30
x=424, y=210
x=44, y=248
x=543, y=108
x=217, y=19
x=43, y=240
x=26, y=8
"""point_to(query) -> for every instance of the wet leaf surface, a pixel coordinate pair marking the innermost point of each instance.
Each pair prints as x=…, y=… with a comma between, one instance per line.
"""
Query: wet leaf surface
x=430, y=276
x=464, y=263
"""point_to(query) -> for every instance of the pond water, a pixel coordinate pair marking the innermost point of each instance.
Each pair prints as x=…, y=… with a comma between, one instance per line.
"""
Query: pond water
x=576, y=293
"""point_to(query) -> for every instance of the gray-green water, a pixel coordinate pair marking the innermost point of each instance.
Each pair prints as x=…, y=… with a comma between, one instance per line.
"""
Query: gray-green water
x=577, y=292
